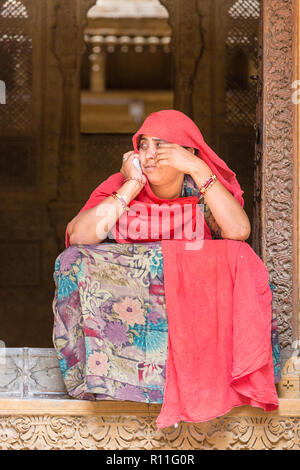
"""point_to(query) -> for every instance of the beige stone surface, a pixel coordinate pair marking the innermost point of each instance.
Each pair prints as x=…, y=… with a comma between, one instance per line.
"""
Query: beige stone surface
x=74, y=424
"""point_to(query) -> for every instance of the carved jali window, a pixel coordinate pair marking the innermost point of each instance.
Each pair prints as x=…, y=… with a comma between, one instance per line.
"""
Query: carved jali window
x=16, y=117
x=241, y=62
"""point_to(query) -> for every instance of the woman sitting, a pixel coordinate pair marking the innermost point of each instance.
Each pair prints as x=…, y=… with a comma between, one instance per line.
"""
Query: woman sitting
x=111, y=312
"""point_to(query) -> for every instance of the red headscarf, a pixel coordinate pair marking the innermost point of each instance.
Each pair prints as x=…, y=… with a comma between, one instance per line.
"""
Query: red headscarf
x=174, y=127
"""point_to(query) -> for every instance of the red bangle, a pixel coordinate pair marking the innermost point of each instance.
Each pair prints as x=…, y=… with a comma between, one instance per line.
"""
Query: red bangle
x=208, y=183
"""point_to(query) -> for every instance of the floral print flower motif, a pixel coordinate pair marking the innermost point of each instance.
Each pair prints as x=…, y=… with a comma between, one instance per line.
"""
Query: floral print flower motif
x=79, y=348
x=116, y=333
x=67, y=272
x=153, y=317
x=98, y=363
x=156, y=264
x=155, y=396
x=68, y=257
x=57, y=265
x=130, y=311
x=152, y=338
x=65, y=287
x=130, y=392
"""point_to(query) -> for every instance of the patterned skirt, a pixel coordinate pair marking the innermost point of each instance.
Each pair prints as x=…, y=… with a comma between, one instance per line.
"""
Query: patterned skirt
x=110, y=322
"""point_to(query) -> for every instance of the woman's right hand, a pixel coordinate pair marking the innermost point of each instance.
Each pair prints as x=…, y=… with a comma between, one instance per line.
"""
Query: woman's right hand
x=129, y=170
x=88, y=226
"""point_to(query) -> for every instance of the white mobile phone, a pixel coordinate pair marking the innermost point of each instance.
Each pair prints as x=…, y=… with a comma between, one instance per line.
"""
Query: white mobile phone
x=137, y=164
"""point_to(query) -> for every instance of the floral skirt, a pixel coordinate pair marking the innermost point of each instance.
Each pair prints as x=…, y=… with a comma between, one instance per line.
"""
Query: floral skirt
x=110, y=322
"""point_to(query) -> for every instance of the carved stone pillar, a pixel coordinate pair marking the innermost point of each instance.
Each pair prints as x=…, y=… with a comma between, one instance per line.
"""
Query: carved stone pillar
x=187, y=44
x=280, y=243
x=68, y=47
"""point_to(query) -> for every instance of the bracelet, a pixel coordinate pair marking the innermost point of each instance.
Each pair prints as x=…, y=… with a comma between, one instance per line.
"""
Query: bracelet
x=119, y=198
x=136, y=179
x=208, y=183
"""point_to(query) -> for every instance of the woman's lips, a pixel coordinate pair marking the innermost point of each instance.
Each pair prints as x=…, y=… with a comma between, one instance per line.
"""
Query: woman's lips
x=148, y=168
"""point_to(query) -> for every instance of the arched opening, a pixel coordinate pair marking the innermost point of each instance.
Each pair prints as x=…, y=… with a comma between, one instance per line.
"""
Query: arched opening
x=126, y=70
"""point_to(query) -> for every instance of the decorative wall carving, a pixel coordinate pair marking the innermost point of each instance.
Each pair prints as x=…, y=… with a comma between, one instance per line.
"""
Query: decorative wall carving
x=279, y=177
x=139, y=433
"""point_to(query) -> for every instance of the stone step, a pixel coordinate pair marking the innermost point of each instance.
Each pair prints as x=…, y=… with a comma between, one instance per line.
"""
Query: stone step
x=36, y=413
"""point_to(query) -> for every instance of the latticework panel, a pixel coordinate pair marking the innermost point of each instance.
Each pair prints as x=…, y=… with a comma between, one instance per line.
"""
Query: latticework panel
x=241, y=60
x=15, y=68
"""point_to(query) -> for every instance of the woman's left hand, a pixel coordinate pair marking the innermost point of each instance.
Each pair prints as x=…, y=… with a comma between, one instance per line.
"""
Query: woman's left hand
x=175, y=156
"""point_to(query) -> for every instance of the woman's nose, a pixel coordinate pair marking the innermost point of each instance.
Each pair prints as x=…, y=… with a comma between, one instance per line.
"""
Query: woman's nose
x=150, y=153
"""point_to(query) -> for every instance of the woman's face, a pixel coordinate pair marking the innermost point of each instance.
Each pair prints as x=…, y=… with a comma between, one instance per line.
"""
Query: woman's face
x=157, y=175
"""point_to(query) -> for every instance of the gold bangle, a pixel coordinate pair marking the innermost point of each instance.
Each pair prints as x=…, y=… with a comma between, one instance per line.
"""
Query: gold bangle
x=136, y=179
x=119, y=198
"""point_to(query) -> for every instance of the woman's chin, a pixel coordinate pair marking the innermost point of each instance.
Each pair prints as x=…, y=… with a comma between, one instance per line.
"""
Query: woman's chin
x=154, y=178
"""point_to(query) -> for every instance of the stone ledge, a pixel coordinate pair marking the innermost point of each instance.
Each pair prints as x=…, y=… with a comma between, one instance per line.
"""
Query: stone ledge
x=37, y=413
x=43, y=424
x=73, y=407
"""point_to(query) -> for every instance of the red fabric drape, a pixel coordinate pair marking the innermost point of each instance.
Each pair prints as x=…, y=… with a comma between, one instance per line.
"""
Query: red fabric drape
x=219, y=318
